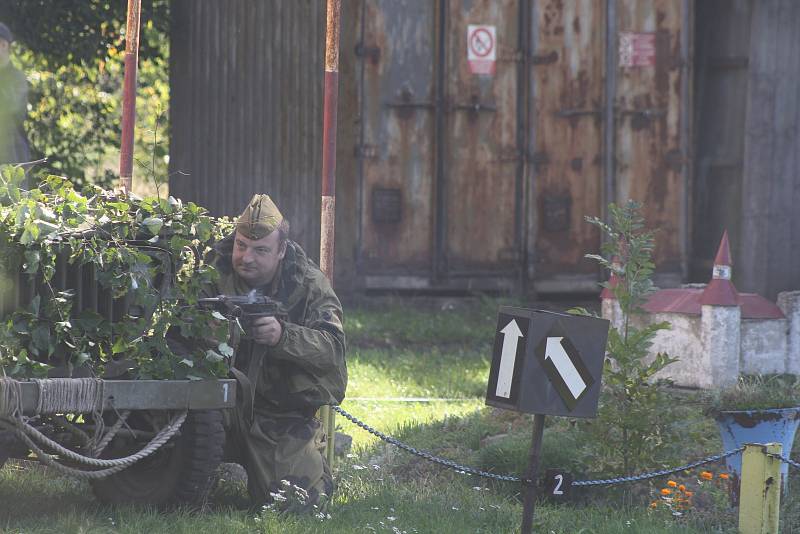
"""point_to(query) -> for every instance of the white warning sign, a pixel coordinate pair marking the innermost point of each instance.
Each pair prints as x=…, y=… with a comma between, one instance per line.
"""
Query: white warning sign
x=481, y=49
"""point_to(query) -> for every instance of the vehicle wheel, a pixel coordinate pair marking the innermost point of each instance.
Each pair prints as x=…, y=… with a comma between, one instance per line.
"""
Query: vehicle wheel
x=181, y=472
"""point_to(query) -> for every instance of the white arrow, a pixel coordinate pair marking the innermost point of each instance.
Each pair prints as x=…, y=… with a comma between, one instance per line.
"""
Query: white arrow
x=555, y=351
x=511, y=334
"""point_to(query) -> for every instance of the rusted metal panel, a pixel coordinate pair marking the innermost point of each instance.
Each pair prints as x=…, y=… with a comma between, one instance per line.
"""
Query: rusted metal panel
x=567, y=121
x=770, y=251
x=246, y=106
x=482, y=151
x=651, y=154
x=721, y=67
x=398, y=53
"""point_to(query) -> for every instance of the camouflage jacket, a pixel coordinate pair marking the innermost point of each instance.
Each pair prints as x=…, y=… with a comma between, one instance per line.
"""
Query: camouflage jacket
x=307, y=368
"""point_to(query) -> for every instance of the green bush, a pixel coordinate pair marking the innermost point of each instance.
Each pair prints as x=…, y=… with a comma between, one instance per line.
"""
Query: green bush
x=636, y=427
x=72, y=55
x=129, y=243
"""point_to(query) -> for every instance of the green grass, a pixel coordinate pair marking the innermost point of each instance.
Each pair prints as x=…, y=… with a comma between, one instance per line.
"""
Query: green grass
x=401, y=350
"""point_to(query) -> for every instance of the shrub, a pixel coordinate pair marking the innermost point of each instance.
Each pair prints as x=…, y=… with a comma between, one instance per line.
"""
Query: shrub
x=127, y=244
x=636, y=423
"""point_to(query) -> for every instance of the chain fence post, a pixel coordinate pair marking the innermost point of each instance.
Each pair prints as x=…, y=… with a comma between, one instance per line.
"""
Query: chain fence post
x=760, y=493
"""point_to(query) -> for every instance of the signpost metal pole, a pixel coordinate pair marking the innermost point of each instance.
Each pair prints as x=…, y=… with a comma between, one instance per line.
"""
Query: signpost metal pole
x=327, y=219
x=531, y=475
x=129, y=95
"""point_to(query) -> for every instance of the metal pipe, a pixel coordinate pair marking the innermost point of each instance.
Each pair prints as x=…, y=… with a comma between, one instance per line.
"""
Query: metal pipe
x=687, y=99
x=129, y=95
x=328, y=215
x=609, y=130
x=440, y=216
x=523, y=78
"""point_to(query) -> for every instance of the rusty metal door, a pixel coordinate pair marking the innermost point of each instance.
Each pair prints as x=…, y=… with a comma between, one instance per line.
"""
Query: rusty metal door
x=652, y=104
x=567, y=91
x=482, y=193
x=440, y=160
x=397, y=52
x=470, y=176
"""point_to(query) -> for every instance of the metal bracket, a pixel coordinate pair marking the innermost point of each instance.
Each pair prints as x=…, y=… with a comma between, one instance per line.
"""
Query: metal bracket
x=405, y=105
x=475, y=106
x=647, y=113
x=570, y=113
x=544, y=58
x=373, y=53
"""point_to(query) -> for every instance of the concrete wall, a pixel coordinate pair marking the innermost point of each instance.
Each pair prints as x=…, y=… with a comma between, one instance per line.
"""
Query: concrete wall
x=682, y=341
x=764, y=346
x=789, y=303
x=717, y=346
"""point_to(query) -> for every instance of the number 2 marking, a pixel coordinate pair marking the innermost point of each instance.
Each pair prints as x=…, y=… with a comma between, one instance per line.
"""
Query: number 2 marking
x=225, y=394
x=559, y=481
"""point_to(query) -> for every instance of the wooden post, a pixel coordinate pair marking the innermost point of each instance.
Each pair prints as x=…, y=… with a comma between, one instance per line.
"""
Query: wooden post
x=760, y=493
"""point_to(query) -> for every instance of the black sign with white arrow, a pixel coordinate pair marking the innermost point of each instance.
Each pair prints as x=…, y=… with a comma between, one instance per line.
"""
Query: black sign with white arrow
x=564, y=366
x=510, y=350
x=547, y=363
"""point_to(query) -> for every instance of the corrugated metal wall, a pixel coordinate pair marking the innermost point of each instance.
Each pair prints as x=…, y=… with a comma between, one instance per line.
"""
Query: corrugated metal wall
x=770, y=249
x=721, y=63
x=246, y=106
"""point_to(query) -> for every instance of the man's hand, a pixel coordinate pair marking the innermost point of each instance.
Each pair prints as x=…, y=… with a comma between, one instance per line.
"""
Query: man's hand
x=266, y=331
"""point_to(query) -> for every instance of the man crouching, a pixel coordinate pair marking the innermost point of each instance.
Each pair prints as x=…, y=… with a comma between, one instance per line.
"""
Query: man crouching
x=287, y=369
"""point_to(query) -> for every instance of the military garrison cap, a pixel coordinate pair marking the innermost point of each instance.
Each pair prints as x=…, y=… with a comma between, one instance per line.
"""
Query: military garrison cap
x=260, y=218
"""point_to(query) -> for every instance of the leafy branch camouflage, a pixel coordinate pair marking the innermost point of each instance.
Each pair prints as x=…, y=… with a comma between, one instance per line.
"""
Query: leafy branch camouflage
x=130, y=244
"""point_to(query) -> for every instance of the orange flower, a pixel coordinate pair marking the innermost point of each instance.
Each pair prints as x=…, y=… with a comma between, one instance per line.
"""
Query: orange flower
x=672, y=484
x=682, y=487
x=724, y=476
x=706, y=475
x=653, y=504
x=689, y=493
x=666, y=491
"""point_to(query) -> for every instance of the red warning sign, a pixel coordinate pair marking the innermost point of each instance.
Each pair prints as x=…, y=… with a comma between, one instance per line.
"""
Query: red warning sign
x=637, y=49
x=481, y=49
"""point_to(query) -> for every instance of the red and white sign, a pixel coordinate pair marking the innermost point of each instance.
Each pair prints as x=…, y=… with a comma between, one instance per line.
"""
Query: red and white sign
x=481, y=49
x=637, y=49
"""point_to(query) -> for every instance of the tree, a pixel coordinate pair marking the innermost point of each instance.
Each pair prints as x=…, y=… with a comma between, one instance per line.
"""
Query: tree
x=73, y=54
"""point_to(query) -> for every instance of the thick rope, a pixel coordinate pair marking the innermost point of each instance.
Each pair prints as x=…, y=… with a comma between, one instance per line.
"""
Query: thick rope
x=10, y=398
x=123, y=416
x=73, y=395
x=162, y=437
x=50, y=461
x=79, y=395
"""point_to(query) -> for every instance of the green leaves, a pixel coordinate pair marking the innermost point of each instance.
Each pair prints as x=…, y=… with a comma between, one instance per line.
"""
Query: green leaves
x=153, y=225
x=55, y=226
x=636, y=420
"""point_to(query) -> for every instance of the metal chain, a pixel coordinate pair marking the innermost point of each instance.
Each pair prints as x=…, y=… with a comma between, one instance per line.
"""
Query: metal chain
x=423, y=454
x=655, y=474
x=511, y=478
x=787, y=460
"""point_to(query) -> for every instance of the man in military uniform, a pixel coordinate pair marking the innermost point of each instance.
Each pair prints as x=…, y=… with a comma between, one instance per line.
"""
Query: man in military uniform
x=291, y=367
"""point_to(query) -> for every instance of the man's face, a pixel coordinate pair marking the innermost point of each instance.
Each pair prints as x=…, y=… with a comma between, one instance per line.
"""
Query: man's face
x=256, y=260
x=5, y=52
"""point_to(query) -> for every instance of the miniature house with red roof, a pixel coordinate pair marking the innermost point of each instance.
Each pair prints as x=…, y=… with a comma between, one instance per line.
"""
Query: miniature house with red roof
x=718, y=333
